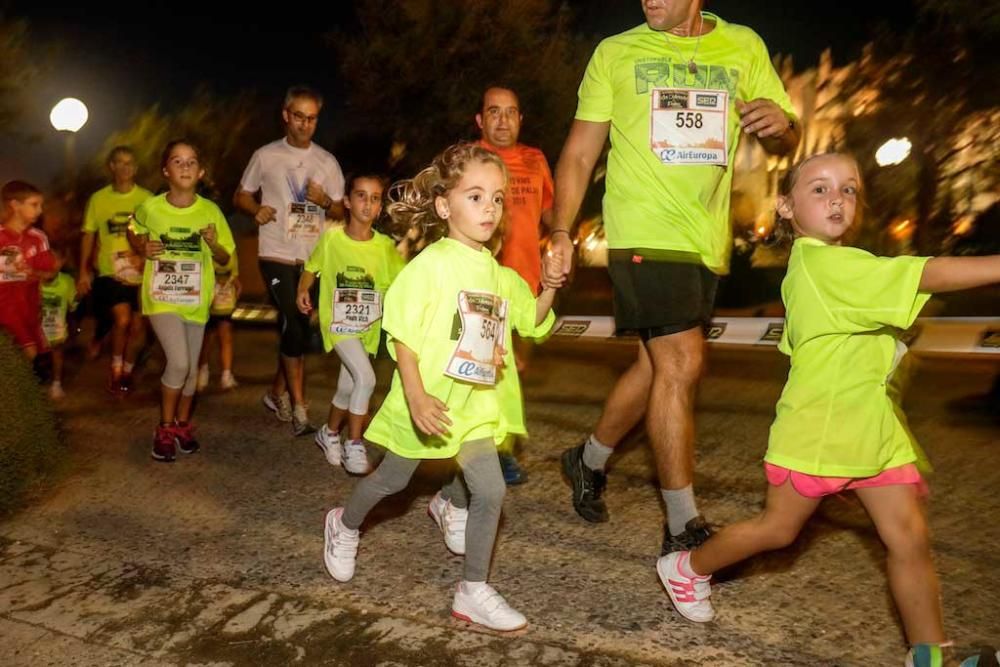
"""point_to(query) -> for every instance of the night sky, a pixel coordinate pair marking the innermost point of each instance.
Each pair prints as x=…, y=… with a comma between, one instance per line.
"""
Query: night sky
x=122, y=57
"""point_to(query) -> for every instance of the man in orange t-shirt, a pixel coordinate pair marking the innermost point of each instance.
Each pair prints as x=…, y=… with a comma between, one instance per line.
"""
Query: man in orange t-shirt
x=528, y=206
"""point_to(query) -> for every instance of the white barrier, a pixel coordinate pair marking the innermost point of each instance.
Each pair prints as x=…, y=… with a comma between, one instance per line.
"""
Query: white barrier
x=931, y=335
x=951, y=336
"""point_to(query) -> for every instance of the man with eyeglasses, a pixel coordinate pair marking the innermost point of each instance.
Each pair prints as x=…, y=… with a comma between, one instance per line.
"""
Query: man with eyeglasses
x=300, y=184
x=528, y=206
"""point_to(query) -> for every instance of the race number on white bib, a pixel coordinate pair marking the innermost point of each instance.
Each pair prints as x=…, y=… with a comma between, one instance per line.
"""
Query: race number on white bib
x=304, y=221
x=10, y=265
x=53, y=324
x=479, y=351
x=355, y=310
x=224, y=297
x=177, y=282
x=128, y=268
x=688, y=126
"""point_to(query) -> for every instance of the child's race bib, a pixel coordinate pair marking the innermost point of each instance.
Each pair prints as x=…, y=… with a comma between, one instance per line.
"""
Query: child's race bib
x=10, y=258
x=479, y=351
x=128, y=268
x=224, y=297
x=54, y=324
x=355, y=310
x=176, y=282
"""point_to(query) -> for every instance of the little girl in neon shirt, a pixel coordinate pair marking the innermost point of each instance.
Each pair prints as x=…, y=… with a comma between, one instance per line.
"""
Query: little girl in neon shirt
x=356, y=265
x=455, y=394
x=837, y=428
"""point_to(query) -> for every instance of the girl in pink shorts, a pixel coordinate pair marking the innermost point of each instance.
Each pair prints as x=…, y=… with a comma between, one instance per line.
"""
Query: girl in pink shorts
x=837, y=427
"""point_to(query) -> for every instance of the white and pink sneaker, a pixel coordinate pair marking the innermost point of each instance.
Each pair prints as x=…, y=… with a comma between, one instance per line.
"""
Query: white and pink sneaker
x=690, y=595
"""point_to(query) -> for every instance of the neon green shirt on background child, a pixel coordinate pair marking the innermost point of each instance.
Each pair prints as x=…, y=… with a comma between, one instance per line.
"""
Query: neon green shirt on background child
x=181, y=281
x=58, y=298
x=354, y=276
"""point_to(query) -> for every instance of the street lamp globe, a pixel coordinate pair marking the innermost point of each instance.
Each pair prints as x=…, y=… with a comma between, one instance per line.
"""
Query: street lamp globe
x=893, y=151
x=69, y=115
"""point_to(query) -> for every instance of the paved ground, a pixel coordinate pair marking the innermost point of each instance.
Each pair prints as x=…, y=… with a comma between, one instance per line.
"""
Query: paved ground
x=216, y=560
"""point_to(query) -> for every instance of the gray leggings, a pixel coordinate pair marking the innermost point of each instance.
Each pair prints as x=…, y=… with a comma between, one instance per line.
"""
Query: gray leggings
x=484, y=498
x=357, y=377
x=181, y=341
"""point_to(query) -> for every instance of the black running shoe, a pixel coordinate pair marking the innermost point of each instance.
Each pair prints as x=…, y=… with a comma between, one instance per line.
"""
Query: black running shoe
x=588, y=485
x=696, y=531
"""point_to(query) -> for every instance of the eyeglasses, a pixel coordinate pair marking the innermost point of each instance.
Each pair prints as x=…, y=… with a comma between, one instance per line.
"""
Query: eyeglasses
x=302, y=118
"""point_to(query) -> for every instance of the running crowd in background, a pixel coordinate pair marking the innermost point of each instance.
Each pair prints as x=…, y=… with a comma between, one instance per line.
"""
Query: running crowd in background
x=490, y=234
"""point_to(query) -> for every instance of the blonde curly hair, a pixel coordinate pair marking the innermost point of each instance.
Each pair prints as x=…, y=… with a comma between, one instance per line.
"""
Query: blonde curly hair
x=411, y=207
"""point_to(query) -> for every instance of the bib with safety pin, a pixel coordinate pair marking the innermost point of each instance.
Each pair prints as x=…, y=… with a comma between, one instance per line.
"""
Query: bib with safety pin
x=224, y=297
x=689, y=126
x=176, y=282
x=355, y=310
x=304, y=221
x=479, y=351
x=128, y=268
x=10, y=271
x=53, y=323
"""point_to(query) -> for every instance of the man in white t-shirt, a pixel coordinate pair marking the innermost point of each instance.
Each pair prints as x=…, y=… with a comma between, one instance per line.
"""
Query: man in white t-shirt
x=300, y=185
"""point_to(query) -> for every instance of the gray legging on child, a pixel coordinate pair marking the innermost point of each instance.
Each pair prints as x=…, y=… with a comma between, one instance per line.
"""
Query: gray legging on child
x=181, y=341
x=484, y=498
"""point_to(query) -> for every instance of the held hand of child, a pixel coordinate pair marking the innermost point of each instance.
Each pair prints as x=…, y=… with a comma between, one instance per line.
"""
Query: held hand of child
x=762, y=117
x=264, y=215
x=316, y=194
x=152, y=249
x=428, y=413
x=210, y=234
x=304, y=303
x=552, y=269
x=499, y=356
x=561, y=246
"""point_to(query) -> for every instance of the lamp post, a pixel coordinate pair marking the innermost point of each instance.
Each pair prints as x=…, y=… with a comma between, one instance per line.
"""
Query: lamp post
x=68, y=116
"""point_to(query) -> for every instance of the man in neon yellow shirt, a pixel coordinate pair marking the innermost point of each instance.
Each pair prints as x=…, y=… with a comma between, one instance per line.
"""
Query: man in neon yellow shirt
x=674, y=93
x=119, y=268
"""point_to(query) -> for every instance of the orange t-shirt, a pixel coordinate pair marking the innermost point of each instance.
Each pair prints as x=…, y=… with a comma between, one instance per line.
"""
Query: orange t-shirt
x=529, y=194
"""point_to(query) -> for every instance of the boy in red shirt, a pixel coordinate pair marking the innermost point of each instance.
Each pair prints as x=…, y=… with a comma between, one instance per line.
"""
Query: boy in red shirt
x=25, y=259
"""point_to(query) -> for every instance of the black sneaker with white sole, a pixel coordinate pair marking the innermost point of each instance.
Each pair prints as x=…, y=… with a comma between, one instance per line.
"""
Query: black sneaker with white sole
x=588, y=485
x=696, y=531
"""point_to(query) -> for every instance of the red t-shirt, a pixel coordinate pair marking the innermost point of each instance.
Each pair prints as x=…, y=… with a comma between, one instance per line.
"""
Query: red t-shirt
x=20, y=296
x=529, y=194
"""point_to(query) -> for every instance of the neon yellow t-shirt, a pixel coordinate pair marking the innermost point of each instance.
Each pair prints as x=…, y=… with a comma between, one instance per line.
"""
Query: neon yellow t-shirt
x=422, y=312
x=58, y=297
x=354, y=276
x=108, y=214
x=181, y=280
x=650, y=200
x=845, y=308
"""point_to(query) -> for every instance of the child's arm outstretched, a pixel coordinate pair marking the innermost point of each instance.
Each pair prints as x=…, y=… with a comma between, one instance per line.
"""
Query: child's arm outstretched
x=949, y=274
x=426, y=411
x=552, y=279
